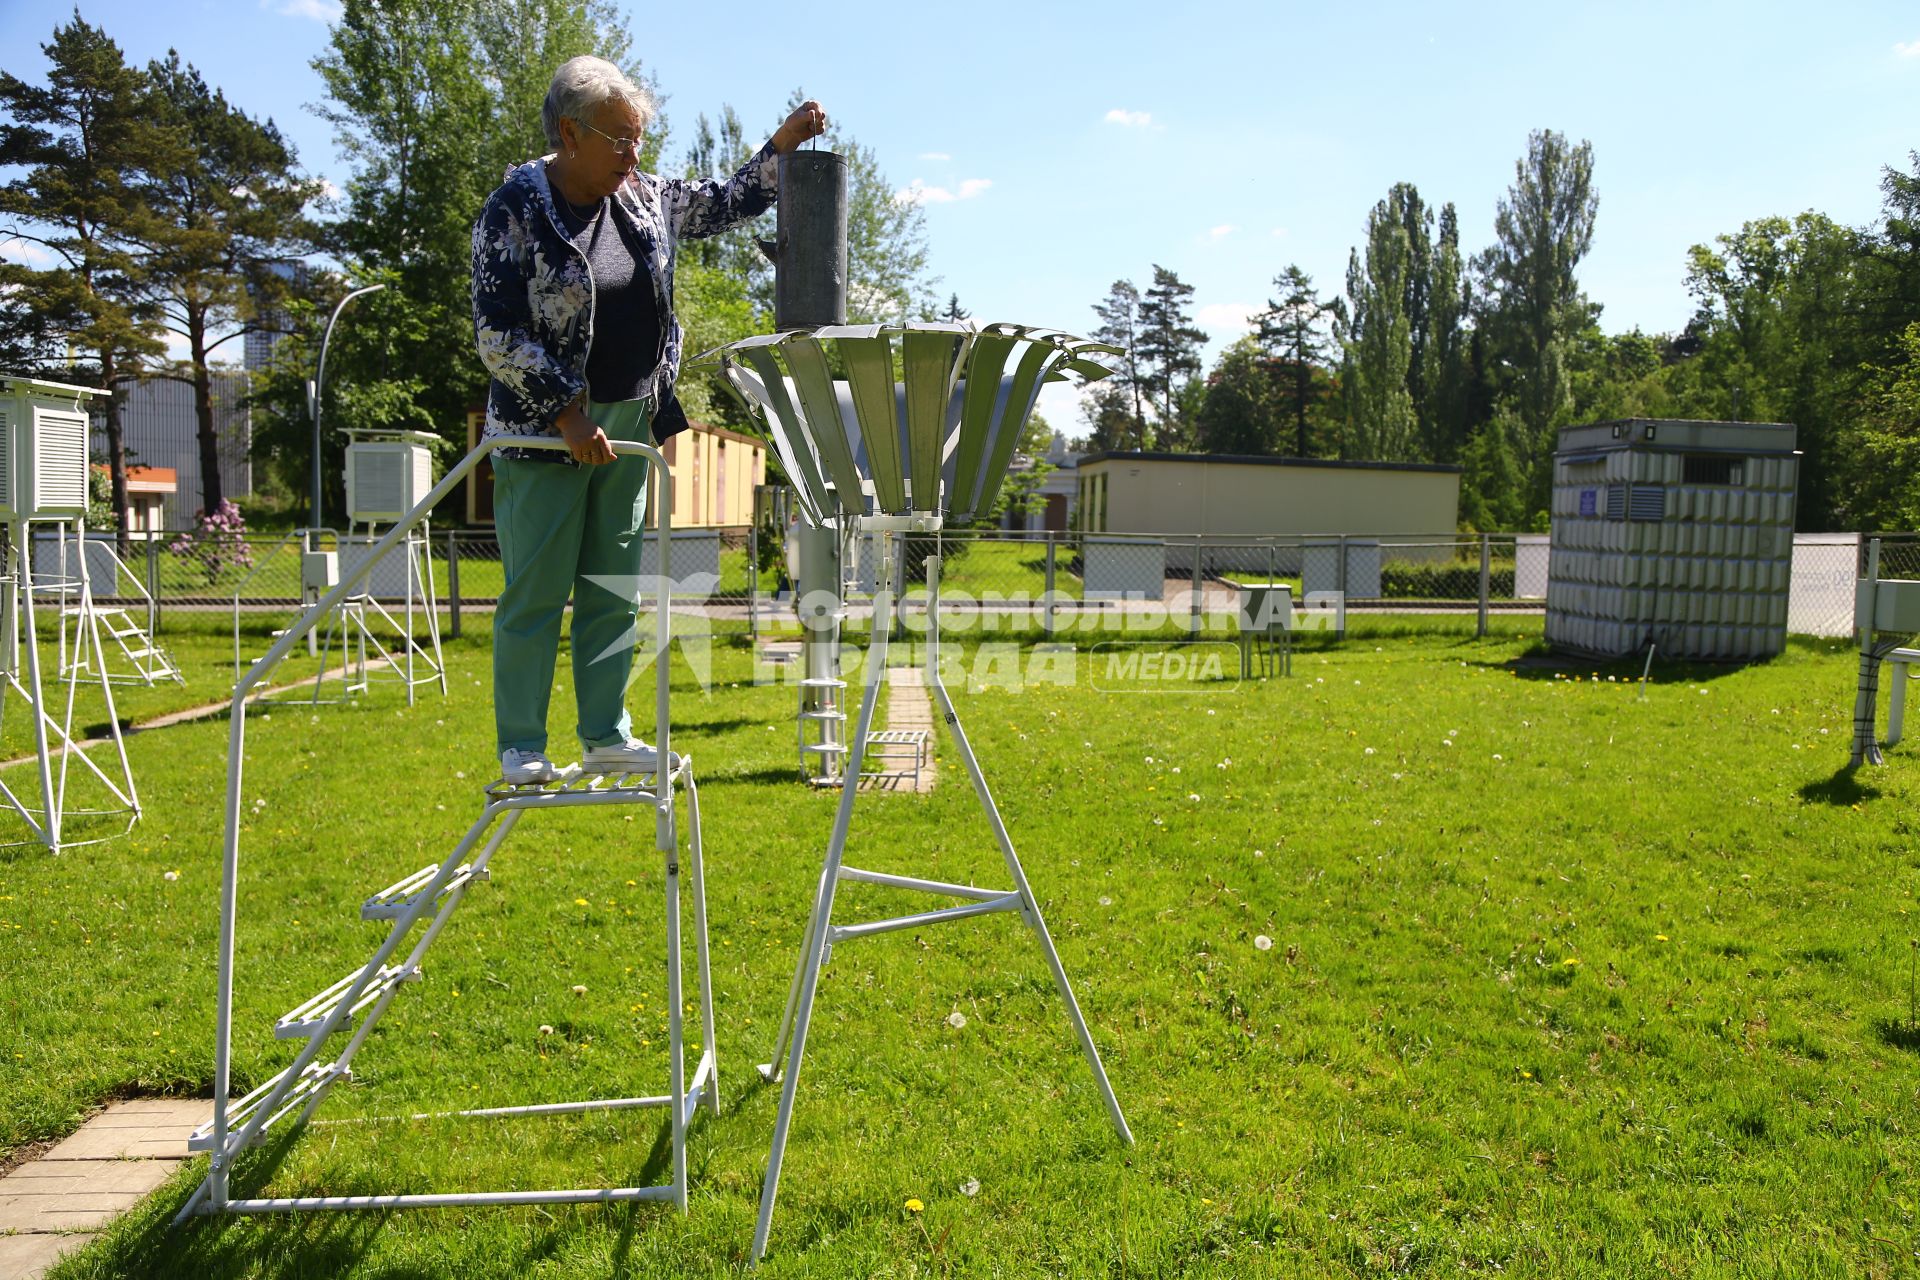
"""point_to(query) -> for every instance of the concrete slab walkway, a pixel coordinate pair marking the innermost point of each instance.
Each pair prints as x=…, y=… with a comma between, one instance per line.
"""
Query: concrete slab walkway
x=54, y=1205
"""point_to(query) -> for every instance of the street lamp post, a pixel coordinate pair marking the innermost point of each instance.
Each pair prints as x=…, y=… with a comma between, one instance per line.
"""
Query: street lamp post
x=319, y=386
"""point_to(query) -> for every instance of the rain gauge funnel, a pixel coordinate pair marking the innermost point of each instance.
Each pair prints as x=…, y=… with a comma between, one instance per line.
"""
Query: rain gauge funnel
x=885, y=430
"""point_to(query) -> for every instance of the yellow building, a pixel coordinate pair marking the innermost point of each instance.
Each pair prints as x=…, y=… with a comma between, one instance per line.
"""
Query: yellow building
x=714, y=474
x=1225, y=496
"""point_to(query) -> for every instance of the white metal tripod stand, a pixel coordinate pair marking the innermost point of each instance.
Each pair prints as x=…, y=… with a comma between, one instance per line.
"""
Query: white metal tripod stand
x=17, y=614
x=429, y=896
x=822, y=933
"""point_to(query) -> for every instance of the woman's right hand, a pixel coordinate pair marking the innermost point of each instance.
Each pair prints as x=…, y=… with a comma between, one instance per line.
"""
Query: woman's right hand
x=585, y=440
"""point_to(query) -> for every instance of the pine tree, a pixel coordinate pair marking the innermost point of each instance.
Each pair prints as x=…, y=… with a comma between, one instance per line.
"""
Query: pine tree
x=1293, y=329
x=1169, y=344
x=1120, y=326
x=234, y=210
x=87, y=143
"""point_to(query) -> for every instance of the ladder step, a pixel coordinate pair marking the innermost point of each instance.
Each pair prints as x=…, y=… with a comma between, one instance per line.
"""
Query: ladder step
x=317, y=1075
x=306, y=1019
x=822, y=682
x=397, y=898
x=823, y=715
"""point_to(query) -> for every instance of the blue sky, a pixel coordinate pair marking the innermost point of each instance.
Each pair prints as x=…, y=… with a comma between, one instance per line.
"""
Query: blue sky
x=1079, y=145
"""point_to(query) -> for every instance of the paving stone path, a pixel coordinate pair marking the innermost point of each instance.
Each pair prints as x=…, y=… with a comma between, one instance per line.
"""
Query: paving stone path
x=54, y=1205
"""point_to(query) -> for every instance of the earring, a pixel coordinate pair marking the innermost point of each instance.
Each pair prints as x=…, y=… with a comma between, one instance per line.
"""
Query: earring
x=573, y=155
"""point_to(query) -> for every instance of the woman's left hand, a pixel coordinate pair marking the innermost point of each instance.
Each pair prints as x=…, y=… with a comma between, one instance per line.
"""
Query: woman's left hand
x=809, y=120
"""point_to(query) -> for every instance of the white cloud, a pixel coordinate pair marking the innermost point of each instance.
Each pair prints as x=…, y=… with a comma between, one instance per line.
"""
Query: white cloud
x=1229, y=317
x=1221, y=231
x=935, y=155
x=1279, y=231
x=329, y=191
x=18, y=250
x=1908, y=48
x=918, y=192
x=318, y=10
x=1131, y=119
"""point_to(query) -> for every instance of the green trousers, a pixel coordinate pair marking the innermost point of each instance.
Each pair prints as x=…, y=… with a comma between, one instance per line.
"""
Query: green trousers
x=558, y=524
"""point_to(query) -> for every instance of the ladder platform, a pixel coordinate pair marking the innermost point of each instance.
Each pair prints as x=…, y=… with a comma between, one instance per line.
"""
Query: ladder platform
x=316, y=1076
x=307, y=1018
x=399, y=897
x=606, y=783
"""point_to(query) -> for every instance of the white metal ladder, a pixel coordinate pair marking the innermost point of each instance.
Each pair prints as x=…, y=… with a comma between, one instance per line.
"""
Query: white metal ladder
x=353, y=1005
x=150, y=662
x=359, y=999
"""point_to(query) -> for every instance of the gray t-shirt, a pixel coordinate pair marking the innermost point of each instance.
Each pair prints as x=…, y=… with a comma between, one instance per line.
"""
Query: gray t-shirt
x=626, y=318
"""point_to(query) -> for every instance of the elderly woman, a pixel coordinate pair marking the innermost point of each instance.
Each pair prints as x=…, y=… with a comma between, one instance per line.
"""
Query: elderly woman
x=573, y=312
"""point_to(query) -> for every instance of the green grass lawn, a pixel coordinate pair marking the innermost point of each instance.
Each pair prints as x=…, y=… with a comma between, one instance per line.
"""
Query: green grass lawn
x=1560, y=982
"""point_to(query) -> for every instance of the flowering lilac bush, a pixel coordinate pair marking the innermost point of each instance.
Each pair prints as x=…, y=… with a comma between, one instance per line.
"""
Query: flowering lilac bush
x=217, y=542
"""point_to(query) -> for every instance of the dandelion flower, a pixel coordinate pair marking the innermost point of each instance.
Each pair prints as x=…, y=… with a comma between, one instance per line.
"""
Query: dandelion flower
x=1262, y=943
x=1570, y=961
x=1661, y=937
x=171, y=875
x=1194, y=796
x=579, y=989
x=546, y=1028
x=579, y=902
x=1105, y=901
x=1497, y=756
x=971, y=1187
x=956, y=1019
x=914, y=1205
x=1369, y=751
x=1446, y=742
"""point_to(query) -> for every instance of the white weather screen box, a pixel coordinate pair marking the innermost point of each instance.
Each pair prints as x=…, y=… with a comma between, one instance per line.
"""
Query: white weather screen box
x=388, y=472
x=43, y=450
x=1672, y=533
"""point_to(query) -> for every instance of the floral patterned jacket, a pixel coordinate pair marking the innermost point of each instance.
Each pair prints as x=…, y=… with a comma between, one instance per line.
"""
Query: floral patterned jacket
x=533, y=291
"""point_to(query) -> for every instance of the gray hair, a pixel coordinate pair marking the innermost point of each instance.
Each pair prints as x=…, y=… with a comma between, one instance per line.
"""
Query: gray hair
x=582, y=84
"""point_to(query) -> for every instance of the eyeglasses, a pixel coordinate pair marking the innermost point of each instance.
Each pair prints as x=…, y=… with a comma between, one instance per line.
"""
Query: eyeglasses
x=619, y=144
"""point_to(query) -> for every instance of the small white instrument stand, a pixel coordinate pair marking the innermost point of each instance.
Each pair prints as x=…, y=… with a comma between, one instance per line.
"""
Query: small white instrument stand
x=823, y=933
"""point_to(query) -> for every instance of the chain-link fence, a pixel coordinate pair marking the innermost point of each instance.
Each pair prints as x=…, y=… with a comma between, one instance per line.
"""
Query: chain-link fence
x=1443, y=573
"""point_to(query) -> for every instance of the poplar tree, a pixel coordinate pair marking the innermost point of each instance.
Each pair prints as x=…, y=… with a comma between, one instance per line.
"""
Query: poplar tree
x=1444, y=406
x=1378, y=343
x=1543, y=228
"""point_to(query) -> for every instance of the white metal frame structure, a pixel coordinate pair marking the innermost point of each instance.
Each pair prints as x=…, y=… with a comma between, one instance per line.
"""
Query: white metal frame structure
x=429, y=895
x=886, y=458
x=351, y=624
x=18, y=593
x=420, y=594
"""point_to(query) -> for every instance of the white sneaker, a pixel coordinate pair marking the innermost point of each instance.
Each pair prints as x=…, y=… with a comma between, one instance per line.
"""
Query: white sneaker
x=633, y=756
x=518, y=768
